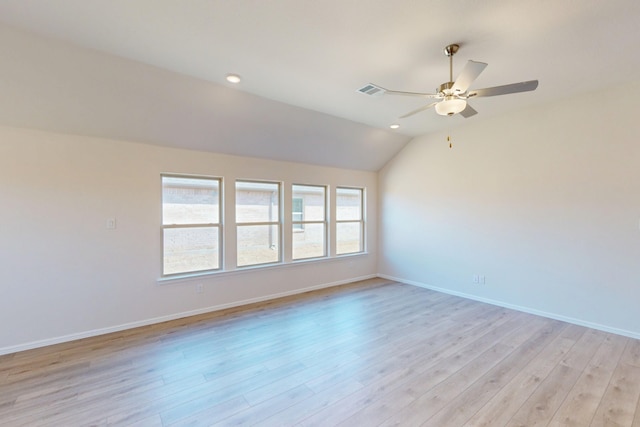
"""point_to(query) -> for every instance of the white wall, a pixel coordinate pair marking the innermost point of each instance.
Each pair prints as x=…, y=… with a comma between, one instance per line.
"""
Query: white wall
x=545, y=203
x=64, y=275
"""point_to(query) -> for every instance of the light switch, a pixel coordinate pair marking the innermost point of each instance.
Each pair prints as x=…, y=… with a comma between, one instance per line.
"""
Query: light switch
x=111, y=224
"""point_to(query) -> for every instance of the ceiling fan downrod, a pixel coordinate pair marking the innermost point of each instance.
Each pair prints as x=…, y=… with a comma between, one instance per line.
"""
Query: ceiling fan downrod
x=451, y=50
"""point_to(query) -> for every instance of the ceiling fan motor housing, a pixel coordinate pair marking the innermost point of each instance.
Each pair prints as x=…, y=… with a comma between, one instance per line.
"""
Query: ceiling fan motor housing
x=445, y=88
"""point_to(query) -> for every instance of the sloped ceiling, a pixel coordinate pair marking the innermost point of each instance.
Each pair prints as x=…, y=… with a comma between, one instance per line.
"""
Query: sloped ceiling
x=153, y=70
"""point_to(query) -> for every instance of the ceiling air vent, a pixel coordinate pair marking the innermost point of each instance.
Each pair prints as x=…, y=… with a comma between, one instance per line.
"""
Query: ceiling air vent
x=371, y=90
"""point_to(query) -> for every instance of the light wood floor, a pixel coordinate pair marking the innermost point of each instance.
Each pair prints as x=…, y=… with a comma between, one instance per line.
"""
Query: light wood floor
x=367, y=354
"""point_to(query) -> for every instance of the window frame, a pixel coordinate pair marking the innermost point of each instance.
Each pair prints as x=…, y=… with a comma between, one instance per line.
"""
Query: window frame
x=278, y=223
x=301, y=223
x=215, y=225
x=360, y=221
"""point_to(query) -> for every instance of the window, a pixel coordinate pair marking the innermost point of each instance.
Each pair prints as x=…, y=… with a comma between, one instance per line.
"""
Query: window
x=193, y=237
x=191, y=226
x=349, y=220
x=258, y=222
x=309, y=221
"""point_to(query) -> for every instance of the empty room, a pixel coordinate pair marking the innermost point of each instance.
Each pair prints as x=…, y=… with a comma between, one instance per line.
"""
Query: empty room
x=329, y=213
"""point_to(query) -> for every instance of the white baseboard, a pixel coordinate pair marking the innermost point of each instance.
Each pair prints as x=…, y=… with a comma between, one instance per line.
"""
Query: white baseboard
x=122, y=327
x=555, y=316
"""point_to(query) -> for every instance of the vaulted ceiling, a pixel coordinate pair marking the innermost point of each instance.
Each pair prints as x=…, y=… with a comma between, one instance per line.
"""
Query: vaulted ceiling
x=154, y=70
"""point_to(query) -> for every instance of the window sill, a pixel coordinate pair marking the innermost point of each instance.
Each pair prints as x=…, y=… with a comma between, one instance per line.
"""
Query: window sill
x=252, y=269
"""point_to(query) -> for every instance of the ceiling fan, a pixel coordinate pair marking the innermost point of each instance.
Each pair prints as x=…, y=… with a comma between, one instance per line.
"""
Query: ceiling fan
x=452, y=96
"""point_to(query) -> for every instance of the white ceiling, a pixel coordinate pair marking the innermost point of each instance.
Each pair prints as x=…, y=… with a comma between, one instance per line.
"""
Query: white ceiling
x=153, y=70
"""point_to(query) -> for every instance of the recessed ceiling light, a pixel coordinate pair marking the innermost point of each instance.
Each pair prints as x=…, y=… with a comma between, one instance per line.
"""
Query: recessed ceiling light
x=233, y=78
x=394, y=126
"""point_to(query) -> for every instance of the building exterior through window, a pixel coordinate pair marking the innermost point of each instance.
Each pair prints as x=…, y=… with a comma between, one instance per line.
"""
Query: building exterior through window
x=191, y=226
x=349, y=220
x=309, y=221
x=258, y=223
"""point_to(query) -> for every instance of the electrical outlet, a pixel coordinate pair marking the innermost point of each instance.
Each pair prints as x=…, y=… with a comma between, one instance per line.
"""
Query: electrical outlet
x=199, y=288
x=482, y=280
x=476, y=279
x=111, y=224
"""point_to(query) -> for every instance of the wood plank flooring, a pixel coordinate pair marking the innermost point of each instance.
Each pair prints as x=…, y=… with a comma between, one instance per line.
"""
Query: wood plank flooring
x=373, y=353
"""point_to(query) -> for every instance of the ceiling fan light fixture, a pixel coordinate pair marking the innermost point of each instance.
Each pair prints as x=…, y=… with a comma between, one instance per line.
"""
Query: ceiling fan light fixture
x=450, y=105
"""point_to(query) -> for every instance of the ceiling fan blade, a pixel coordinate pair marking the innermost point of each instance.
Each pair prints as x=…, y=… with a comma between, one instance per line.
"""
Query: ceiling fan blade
x=469, y=73
x=418, y=110
x=422, y=95
x=506, y=89
x=468, y=111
